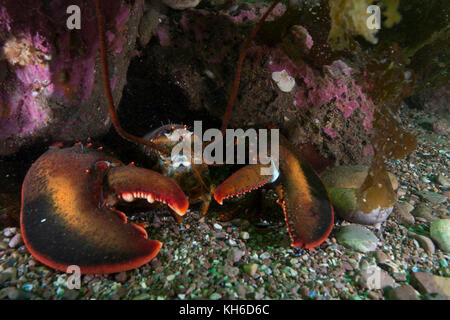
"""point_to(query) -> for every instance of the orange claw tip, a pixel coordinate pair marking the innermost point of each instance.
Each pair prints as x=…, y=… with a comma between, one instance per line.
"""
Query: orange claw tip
x=181, y=208
x=218, y=198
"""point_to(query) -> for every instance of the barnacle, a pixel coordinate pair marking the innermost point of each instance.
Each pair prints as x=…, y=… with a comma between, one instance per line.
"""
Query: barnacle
x=284, y=81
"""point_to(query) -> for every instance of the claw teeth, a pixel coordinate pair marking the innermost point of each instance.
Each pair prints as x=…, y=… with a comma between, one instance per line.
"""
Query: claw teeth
x=150, y=198
x=127, y=196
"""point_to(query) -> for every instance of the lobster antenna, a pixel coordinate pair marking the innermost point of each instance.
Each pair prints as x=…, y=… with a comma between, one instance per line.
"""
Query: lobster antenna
x=237, y=75
x=107, y=86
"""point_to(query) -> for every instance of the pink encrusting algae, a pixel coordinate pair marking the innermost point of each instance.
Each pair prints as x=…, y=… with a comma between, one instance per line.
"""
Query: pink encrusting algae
x=60, y=67
x=335, y=84
x=330, y=132
x=163, y=35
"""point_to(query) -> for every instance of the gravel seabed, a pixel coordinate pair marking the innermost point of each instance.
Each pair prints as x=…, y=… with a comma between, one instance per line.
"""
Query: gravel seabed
x=204, y=258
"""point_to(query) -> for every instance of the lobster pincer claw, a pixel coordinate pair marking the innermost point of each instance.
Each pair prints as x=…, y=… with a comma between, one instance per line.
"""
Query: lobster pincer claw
x=306, y=205
x=305, y=201
x=65, y=219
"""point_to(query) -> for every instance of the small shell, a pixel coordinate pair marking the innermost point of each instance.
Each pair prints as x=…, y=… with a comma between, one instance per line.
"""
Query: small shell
x=284, y=81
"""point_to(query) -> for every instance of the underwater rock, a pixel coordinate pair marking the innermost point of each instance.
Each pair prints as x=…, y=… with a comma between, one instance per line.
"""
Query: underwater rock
x=440, y=233
x=443, y=181
x=357, y=238
x=367, y=281
x=442, y=127
x=196, y=46
x=422, y=211
x=433, y=197
x=427, y=283
x=404, y=292
x=149, y=22
x=52, y=86
x=424, y=242
x=402, y=213
x=181, y=4
x=342, y=183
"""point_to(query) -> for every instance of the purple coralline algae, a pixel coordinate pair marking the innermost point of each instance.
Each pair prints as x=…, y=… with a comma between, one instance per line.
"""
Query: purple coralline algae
x=335, y=84
x=51, y=81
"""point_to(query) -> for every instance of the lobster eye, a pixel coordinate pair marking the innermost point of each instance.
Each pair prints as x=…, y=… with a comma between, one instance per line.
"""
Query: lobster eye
x=167, y=131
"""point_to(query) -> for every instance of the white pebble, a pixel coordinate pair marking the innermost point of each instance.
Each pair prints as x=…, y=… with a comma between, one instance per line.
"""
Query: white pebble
x=15, y=241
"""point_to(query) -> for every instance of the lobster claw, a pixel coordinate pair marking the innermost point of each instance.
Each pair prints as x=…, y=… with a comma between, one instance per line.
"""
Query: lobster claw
x=307, y=208
x=65, y=220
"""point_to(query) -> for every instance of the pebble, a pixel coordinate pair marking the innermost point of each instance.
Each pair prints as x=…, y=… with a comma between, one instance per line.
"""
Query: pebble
x=230, y=271
x=404, y=292
x=432, y=197
x=422, y=211
x=70, y=295
x=443, y=181
x=440, y=233
x=381, y=256
x=441, y=127
x=15, y=241
x=9, y=232
x=402, y=213
x=259, y=294
x=435, y=296
x=219, y=235
x=305, y=292
x=17, y=294
x=290, y=272
x=264, y=256
x=235, y=254
x=424, y=242
x=400, y=277
x=429, y=283
x=244, y=235
x=121, y=276
x=142, y=296
x=250, y=269
x=170, y=277
x=8, y=275
x=375, y=278
x=347, y=266
x=217, y=226
x=215, y=296
x=358, y=238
